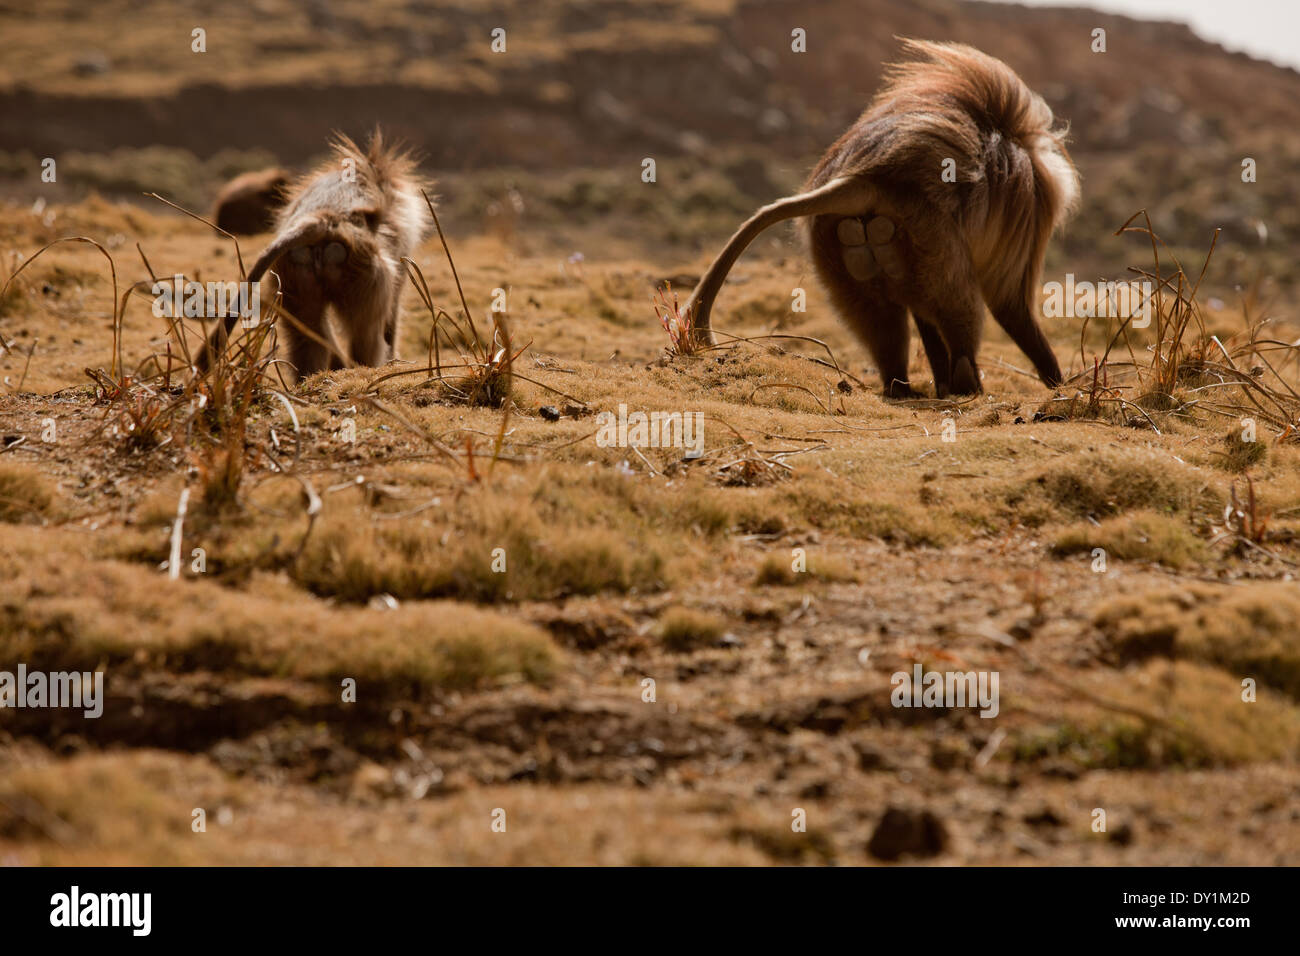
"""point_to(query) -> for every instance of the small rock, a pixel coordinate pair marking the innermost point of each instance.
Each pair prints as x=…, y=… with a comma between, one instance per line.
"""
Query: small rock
x=525, y=771
x=902, y=831
x=69, y=744
x=371, y=780
x=1022, y=630
x=817, y=790
x=1061, y=770
x=1122, y=834
x=870, y=758
x=1026, y=845
x=93, y=63
x=1045, y=817
x=947, y=755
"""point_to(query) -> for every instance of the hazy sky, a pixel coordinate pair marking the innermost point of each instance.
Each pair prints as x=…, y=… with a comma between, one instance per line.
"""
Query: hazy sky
x=1267, y=29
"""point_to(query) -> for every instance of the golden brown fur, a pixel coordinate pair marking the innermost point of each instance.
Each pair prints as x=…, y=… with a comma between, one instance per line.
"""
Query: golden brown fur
x=956, y=246
x=337, y=251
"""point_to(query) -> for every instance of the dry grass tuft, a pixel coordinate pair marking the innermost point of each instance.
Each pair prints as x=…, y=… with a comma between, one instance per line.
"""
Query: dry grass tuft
x=777, y=569
x=1248, y=629
x=25, y=495
x=1140, y=536
x=71, y=613
x=1197, y=719
x=683, y=629
x=676, y=323
x=354, y=563
x=1239, y=455
x=1111, y=481
x=132, y=806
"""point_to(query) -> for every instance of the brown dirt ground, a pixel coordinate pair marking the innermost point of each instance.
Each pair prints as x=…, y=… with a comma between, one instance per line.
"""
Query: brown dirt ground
x=523, y=692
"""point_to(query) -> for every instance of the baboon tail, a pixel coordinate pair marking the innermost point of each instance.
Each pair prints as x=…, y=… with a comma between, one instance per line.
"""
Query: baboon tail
x=845, y=195
x=308, y=232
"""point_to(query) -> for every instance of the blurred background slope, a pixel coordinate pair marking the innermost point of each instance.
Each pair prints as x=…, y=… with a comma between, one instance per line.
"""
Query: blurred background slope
x=545, y=141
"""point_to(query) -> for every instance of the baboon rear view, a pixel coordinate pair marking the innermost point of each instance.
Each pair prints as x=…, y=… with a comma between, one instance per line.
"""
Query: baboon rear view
x=337, y=250
x=889, y=232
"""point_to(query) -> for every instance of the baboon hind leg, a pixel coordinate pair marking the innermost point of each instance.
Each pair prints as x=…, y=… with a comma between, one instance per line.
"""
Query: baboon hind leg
x=305, y=353
x=865, y=304
x=957, y=318
x=881, y=324
x=948, y=299
x=372, y=320
x=883, y=327
x=390, y=331
x=1017, y=319
x=937, y=354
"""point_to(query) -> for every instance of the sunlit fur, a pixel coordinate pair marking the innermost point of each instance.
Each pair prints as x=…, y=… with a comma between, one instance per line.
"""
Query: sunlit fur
x=979, y=240
x=337, y=252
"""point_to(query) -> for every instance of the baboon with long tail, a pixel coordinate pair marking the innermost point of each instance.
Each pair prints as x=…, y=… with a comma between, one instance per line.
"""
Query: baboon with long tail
x=891, y=233
x=338, y=246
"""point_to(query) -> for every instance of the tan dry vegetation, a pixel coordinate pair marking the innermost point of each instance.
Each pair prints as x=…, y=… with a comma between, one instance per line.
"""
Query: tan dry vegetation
x=1163, y=714
x=523, y=689
x=71, y=613
x=1249, y=630
x=24, y=495
x=1140, y=536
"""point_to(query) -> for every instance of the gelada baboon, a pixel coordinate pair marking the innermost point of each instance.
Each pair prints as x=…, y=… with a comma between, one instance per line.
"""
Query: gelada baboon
x=890, y=232
x=337, y=251
x=247, y=204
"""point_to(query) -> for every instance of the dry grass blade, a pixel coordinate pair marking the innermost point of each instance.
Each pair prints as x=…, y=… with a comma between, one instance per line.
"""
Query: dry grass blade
x=207, y=222
x=754, y=467
x=117, y=316
x=469, y=316
x=1181, y=368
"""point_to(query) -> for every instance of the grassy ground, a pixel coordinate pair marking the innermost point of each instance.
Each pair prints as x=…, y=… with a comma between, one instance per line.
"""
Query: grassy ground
x=826, y=539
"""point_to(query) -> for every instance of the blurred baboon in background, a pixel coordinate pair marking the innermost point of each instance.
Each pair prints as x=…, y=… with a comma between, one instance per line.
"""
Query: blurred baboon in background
x=247, y=204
